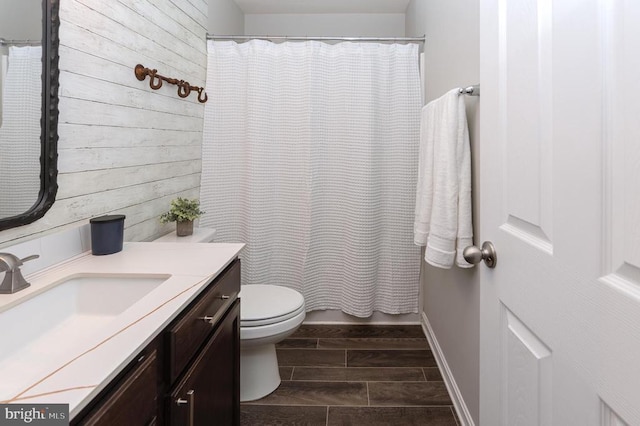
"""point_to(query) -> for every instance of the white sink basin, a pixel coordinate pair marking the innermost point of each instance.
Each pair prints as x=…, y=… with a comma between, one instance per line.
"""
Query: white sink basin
x=76, y=306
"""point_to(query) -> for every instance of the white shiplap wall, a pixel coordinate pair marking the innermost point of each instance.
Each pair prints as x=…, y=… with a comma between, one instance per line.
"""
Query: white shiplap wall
x=123, y=147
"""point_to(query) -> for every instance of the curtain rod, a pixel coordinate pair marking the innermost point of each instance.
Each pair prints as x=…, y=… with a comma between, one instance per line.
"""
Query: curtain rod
x=5, y=42
x=297, y=38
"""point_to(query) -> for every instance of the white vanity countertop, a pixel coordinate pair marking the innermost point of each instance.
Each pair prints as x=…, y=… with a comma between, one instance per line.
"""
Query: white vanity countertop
x=76, y=370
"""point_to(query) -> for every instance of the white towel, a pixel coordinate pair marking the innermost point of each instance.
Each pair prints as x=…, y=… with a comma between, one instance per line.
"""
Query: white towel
x=443, y=195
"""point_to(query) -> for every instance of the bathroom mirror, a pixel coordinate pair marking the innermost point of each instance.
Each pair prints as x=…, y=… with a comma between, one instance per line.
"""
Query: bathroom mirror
x=29, y=109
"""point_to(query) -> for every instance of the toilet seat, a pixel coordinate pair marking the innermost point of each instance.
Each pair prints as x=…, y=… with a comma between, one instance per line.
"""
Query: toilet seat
x=263, y=305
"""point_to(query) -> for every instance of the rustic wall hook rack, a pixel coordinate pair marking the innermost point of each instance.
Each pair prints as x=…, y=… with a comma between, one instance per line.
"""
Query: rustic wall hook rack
x=155, y=82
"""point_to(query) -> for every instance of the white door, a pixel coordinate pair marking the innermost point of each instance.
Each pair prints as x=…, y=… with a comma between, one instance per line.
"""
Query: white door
x=560, y=200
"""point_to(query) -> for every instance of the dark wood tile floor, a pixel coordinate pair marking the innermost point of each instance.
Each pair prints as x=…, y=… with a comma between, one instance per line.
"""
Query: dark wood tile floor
x=355, y=375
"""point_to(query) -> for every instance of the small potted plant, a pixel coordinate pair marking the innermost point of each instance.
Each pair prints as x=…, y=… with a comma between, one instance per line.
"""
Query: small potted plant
x=183, y=211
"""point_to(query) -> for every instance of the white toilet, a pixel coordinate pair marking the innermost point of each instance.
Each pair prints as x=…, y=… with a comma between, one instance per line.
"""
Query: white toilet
x=268, y=314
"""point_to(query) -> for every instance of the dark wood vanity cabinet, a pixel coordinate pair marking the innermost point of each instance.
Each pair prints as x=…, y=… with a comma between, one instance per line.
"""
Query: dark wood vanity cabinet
x=132, y=400
x=189, y=375
x=209, y=393
x=189, y=332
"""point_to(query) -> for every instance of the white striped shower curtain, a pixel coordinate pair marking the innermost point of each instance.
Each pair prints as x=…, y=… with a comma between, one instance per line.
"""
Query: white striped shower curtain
x=20, y=130
x=310, y=155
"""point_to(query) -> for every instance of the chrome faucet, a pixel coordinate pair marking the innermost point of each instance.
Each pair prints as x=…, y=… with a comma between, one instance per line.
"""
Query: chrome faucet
x=13, y=279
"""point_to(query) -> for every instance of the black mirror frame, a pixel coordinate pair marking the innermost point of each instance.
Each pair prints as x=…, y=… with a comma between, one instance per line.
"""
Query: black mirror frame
x=48, y=120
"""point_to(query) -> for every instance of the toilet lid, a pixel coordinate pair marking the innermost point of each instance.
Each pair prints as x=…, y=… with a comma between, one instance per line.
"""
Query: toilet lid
x=267, y=304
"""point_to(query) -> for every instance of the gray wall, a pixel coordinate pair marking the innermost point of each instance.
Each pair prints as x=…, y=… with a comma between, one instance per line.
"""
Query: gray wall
x=225, y=18
x=451, y=298
x=21, y=19
x=332, y=24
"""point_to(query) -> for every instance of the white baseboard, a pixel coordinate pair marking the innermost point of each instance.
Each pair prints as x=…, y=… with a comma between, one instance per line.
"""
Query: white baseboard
x=449, y=381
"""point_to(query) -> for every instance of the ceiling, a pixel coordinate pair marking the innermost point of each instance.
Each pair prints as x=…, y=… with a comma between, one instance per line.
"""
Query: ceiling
x=322, y=6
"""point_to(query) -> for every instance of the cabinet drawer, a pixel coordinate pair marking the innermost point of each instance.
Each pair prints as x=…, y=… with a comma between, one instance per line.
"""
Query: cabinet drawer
x=133, y=401
x=191, y=330
x=209, y=391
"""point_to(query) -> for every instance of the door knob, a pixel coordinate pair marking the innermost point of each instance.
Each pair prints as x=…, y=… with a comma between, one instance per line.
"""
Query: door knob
x=473, y=254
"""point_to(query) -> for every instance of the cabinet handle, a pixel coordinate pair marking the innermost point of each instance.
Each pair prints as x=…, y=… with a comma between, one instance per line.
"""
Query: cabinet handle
x=206, y=318
x=190, y=401
x=192, y=397
x=210, y=318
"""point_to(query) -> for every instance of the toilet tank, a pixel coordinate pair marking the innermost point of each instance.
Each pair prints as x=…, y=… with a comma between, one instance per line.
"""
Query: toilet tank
x=200, y=235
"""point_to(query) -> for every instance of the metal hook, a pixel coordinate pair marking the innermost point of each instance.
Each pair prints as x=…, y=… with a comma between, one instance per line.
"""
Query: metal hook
x=152, y=76
x=184, y=89
x=155, y=82
x=200, y=92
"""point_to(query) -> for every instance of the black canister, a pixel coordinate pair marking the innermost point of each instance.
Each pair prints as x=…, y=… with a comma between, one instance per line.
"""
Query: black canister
x=107, y=233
